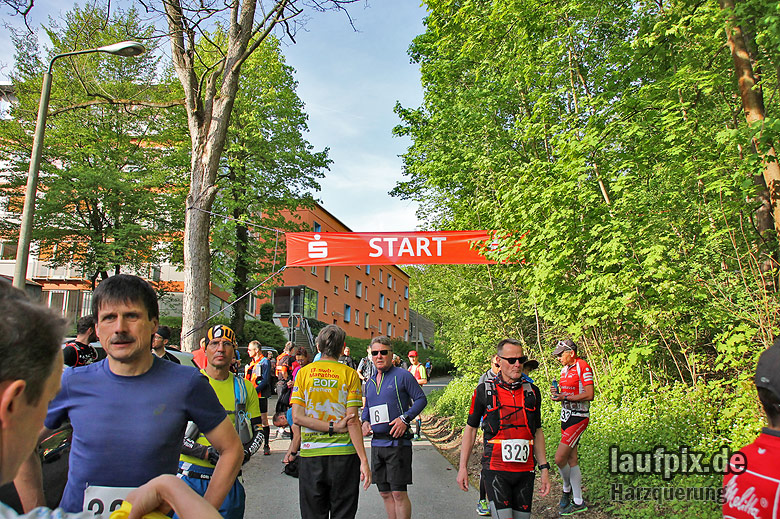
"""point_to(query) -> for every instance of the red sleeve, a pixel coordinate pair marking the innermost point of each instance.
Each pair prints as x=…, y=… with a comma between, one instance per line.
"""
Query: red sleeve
x=587, y=373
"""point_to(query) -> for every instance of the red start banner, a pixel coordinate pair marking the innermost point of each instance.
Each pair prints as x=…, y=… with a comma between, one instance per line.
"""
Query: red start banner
x=388, y=248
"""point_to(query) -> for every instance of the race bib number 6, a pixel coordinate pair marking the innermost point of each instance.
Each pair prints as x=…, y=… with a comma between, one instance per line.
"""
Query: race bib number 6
x=515, y=451
x=378, y=414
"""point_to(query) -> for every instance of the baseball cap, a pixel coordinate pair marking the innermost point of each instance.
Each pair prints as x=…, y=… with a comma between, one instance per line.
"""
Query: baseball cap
x=413, y=353
x=164, y=332
x=532, y=364
x=564, y=345
x=221, y=331
x=768, y=370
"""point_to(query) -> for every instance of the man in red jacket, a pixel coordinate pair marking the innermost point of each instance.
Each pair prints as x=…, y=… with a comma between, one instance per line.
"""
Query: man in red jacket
x=752, y=485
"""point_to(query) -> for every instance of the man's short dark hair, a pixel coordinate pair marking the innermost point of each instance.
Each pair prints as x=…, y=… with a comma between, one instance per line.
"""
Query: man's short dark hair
x=771, y=405
x=30, y=338
x=126, y=289
x=331, y=341
x=84, y=324
x=384, y=340
x=504, y=342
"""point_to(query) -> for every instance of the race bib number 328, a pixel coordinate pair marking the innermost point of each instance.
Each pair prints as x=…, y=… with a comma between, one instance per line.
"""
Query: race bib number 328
x=515, y=451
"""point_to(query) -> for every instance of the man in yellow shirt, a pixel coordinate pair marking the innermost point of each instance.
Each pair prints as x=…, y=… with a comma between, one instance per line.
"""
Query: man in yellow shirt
x=325, y=403
x=239, y=398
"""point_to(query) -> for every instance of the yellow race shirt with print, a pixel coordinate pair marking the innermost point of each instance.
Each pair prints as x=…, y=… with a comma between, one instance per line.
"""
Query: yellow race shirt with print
x=227, y=397
x=326, y=389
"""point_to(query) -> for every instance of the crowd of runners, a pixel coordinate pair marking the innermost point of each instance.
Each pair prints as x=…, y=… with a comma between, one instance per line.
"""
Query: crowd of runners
x=150, y=433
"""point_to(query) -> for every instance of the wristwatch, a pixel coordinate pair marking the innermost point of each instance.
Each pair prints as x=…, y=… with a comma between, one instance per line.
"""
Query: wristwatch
x=330, y=428
x=544, y=466
x=405, y=419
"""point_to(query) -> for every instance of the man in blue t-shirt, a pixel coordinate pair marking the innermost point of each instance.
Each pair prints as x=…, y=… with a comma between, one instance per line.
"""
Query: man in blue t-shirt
x=129, y=411
x=393, y=400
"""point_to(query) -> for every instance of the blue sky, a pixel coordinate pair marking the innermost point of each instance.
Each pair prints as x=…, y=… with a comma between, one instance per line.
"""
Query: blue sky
x=349, y=80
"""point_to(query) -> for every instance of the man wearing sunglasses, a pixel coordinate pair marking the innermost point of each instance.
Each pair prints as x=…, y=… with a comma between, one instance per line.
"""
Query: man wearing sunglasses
x=575, y=391
x=393, y=400
x=508, y=409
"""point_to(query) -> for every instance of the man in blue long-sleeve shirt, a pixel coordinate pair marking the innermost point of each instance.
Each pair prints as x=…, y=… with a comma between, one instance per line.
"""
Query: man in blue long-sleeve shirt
x=393, y=401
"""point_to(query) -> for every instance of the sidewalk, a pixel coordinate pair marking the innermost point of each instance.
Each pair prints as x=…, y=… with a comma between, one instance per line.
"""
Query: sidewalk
x=271, y=494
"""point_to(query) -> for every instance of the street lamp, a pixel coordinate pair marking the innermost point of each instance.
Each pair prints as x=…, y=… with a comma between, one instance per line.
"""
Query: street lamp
x=125, y=49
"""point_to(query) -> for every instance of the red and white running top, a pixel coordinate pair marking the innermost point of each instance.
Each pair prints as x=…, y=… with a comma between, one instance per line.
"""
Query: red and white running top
x=755, y=493
x=573, y=380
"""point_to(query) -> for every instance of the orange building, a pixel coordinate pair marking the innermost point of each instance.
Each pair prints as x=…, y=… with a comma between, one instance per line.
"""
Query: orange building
x=366, y=300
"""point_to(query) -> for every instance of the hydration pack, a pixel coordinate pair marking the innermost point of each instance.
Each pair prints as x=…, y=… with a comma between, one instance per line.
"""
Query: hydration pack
x=491, y=421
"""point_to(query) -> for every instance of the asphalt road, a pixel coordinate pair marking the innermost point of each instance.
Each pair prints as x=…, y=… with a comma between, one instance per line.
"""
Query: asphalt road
x=434, y=494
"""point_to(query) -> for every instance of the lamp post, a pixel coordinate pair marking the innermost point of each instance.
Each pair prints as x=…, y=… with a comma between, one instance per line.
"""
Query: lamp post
x=126, y=49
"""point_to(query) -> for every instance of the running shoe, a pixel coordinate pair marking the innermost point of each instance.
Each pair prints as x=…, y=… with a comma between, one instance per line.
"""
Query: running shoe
x=483, y=508
x=266, y=451
x=565, y=500
x=574, y=508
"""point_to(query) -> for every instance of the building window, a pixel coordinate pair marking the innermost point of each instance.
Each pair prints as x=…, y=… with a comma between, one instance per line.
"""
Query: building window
x=395, y=307
x=365, y=293
x=325, y=305
x=347, y=313
x=346, y=283
x=336, y=290
x=389, y=280
x=406, y=292
x=380, y=326
x=317, y=227
x=365, y=319
x=314, y=270
x=381, y=301
x=327, y=274
x=357, y=317
x=368, y=269
x=8, y=250
x=389, y=330
x=380, y=275
x=358, y=289
x=404, y=314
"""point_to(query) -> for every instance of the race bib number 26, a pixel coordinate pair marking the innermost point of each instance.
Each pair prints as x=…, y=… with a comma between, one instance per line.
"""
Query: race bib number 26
x=515, y=451
x=101, y=501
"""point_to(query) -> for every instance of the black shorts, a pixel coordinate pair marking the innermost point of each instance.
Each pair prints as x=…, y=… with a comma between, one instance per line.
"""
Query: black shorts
x=391, y=468
x=328, y=486
x=509, y=490
x=263, y=405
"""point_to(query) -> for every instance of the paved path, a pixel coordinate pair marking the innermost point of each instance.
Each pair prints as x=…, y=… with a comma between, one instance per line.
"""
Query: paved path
x=271, y=494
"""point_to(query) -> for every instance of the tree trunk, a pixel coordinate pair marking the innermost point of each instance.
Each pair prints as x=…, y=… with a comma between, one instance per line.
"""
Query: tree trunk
x=241, y=272
x=767, y=215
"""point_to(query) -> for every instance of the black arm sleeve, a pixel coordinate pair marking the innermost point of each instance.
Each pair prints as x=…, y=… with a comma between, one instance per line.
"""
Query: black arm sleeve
x=477, y=410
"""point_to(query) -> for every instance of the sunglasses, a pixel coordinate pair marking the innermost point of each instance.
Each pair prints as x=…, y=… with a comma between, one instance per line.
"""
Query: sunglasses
x=374, y=353
x=512, y=360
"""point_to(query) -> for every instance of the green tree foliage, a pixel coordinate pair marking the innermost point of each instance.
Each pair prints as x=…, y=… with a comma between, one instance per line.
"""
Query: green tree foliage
x=608, y=139
x=110, y=176
x=269, y=169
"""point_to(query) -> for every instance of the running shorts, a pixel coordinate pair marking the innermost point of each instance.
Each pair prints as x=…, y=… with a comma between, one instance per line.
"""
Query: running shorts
x=509, y=490
x=263, y=405
x=572, y=428
x=391, y=467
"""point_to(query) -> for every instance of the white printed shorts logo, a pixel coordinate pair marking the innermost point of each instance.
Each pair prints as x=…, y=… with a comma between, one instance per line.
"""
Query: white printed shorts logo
x=748, y=502
x=318, y=248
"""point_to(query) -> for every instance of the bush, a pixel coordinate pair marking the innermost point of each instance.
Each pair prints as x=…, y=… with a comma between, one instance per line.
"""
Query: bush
x=267, y=333
x=267, y=312
x=705, y=419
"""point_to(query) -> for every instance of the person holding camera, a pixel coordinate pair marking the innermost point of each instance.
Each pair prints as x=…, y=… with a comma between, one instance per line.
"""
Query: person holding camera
x=393, y=400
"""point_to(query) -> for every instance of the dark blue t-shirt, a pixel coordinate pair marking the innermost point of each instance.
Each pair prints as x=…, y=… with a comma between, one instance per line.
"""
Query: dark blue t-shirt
x=128, y=430
x=397, y=391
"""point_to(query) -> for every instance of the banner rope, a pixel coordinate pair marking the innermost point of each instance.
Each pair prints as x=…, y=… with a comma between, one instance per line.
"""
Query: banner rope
x=204, y=323
x=273, y=266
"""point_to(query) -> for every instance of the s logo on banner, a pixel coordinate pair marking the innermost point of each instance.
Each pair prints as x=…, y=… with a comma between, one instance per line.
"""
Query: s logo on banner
x=318, y=248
